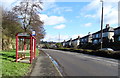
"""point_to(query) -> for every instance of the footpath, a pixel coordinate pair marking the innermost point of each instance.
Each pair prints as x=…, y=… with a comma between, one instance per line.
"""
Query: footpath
x=43, y=66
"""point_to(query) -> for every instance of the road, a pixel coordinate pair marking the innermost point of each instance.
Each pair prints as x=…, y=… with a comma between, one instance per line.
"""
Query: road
x=78, y=64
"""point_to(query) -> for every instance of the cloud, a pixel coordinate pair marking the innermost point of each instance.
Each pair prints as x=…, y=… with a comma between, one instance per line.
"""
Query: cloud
x=8, y=3
x=77, y=16
x=92, y=5
x=91, y=16
x=60, y=26
x=52, y=20
x=111, y=14
x=88, y=24
x=110, y=11
x=55, y=38
x=68, y=10
x=48, y=5
x=78, y=0
x=60, y=10
x=76, y=36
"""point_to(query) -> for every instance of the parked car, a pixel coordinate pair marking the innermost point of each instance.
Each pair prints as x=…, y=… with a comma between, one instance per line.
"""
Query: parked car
x=110, y=49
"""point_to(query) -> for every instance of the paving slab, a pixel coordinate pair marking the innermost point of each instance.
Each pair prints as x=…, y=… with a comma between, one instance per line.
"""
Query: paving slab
x=44, y=67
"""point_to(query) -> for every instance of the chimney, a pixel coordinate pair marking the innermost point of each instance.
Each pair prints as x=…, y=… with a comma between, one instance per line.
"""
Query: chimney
x=107, y=26
x=89, y=33
x=78, y=37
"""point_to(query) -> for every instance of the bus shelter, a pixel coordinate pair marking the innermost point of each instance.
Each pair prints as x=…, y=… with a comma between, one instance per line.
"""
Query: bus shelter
x=25, y=47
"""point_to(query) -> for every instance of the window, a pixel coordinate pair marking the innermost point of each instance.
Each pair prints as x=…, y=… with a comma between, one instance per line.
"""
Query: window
x=85, y=39
x=95, y=41
x=105, y=34
x=82, y=40
x=97, y=35
x=93, y=36
x=119, y=38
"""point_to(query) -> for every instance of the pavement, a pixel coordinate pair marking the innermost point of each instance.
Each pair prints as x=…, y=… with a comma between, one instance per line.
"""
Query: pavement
x=78, y=64
x=43, y=66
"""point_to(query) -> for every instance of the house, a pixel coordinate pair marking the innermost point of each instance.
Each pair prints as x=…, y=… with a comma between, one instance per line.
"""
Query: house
x=117, y=34
x=96, y=37
x=86, y=39
x=63, y=43
x=68, y=43
x=108, y=34
x=76, y=42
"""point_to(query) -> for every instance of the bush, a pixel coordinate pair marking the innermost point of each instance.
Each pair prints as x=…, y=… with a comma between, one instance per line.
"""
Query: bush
x=47, y=46
x=116, y=55
x=59, y=45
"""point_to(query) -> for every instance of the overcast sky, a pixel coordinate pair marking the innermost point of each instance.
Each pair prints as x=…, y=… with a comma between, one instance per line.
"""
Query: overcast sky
x=72, y=18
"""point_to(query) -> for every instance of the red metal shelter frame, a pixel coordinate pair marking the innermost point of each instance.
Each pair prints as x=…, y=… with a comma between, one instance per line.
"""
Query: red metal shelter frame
x=32, y=46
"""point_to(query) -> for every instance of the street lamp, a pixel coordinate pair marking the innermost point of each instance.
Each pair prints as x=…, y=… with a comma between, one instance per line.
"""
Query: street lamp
x=102, y=25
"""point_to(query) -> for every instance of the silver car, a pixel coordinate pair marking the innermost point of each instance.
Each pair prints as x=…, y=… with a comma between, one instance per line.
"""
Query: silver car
x=110, y=49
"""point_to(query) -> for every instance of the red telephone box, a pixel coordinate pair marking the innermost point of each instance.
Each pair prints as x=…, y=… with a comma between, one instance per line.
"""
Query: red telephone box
x=25, y=47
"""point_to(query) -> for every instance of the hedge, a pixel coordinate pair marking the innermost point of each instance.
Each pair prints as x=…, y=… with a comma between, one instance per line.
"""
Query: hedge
x=102, y=53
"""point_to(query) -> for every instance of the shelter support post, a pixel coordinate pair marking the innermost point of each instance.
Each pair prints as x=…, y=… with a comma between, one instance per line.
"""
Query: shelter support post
x=16, y=48
x=34, y=48
x=31, y=49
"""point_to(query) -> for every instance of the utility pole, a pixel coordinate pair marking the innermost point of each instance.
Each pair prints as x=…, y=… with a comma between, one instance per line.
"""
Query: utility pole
x=102, y=25
x=59, y=38
x=119, y=13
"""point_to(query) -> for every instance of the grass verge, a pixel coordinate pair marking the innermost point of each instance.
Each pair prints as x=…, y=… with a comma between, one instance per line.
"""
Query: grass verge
x=102, y=53
x=12, y=69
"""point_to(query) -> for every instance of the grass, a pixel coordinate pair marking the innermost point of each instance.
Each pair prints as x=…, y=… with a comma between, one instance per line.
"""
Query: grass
x=10, y=67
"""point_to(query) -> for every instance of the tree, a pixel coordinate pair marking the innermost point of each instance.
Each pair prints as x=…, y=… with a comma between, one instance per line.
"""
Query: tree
x=38, y=27
x=10, y=26
x=0, y=28
x=28, y=12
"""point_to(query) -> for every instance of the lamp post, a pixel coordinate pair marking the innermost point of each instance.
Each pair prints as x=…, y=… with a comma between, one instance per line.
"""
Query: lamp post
x=102, y=25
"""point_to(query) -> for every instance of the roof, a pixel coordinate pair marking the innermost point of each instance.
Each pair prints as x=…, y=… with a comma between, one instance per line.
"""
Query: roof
x=86, y=36
x=76, y=39
x=109, y=29
x=117, y=28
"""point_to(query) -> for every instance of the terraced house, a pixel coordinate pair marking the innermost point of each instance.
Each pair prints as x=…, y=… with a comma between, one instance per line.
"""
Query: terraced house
x=86, y=39
x=67, y=43
x=111, y=38
x=117, y=35
x=76, y=42
x=63, y=43
x=108, y=34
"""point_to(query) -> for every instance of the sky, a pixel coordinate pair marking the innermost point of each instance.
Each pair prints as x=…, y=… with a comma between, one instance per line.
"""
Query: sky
x=67, y=19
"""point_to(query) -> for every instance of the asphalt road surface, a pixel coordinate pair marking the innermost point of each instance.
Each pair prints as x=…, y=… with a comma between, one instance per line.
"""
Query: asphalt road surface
x=78, y=64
